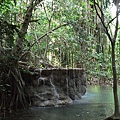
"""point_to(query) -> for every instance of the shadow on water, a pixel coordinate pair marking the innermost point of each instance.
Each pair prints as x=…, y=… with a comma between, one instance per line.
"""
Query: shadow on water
x=96, y=104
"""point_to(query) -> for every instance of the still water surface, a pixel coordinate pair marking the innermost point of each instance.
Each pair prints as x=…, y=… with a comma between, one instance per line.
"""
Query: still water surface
x=96, y=104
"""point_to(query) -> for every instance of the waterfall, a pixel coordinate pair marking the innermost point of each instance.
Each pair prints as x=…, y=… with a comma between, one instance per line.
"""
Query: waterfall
x=56, y=95
x=74, y=83
x=79, y=83
x=55, y=87
x=41, y=81
x=67, y=85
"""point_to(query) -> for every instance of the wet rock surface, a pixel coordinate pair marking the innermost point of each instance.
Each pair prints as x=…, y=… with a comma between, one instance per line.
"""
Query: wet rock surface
x=55, y=87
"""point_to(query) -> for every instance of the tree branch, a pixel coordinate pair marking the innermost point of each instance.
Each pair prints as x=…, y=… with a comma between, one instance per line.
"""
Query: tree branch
x=116, y=25
x=47, y=34
x=102, y=21
x=111, y=21
x=34, y=20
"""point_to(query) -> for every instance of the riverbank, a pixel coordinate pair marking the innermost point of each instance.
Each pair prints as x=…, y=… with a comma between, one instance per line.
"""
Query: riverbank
x=100, y=81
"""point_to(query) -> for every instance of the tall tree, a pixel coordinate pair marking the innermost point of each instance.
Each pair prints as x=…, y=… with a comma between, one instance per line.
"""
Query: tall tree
x=112, y=39
x=12, y=85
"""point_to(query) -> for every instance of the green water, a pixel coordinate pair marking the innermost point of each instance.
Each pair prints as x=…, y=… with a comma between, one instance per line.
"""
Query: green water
x=96, y=104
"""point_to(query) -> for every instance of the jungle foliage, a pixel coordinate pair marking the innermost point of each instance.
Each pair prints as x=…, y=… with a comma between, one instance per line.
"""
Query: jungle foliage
x=52, y=33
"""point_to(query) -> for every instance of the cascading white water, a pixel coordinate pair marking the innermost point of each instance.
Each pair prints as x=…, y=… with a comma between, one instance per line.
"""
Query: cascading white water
x=67, y=86
x=42, y=79
x=40, y=71
x=74, y=83
x=79, y=83
x=56, y=95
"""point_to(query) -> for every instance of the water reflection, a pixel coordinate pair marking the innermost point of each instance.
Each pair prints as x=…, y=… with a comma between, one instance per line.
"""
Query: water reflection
x=97, y=104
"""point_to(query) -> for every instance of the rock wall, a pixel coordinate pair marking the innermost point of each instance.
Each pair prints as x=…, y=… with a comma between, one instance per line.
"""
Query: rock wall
x=54, y=87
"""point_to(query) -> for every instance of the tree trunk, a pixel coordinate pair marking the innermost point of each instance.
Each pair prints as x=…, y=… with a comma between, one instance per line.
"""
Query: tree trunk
x=116, y=103
x=17, y=50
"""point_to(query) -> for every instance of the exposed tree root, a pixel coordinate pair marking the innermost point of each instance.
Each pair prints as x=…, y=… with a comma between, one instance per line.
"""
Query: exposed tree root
x=113, y=117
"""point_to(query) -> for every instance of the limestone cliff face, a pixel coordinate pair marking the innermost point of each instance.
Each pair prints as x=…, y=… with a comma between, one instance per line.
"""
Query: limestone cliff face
x=54, y=87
